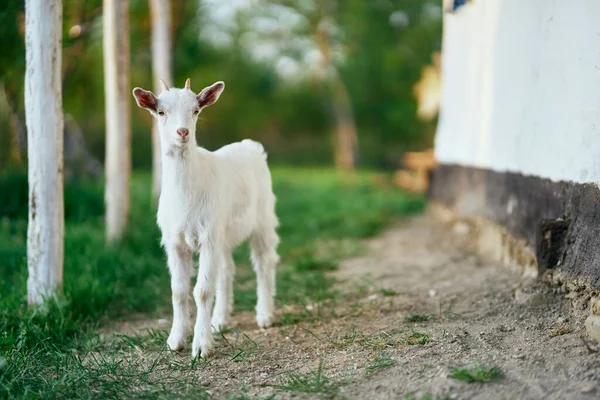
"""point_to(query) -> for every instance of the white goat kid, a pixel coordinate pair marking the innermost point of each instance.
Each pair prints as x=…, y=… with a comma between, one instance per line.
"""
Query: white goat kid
x=210, y=203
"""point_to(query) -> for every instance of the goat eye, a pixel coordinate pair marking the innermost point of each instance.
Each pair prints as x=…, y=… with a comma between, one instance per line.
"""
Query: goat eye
x=161, y=113
x=196, y=112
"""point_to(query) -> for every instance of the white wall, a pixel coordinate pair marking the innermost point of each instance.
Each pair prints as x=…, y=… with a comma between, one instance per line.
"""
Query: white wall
x=521, y=88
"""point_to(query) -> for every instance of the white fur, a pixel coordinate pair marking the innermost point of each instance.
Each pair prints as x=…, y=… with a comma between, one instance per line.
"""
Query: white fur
x=210, y=203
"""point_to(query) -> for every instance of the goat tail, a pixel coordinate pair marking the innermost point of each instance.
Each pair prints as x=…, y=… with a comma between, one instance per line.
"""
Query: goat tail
x=255, y=146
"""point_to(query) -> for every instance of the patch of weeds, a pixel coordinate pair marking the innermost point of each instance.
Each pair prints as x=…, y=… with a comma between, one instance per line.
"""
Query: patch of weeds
x=345, y=340
x=323, y=255
x=560, y=330
x=476, y=374
x=417, y=318
x=388, y=292
x=383, y=339
x=199, y=361
x=293, y=318
x=379, y=340
x=446, y=310
x=315, y=382
x=153, y=340
x=317, y=312
x=417, y=338
x=314, y=264
x=379, y=362
x=242, y=347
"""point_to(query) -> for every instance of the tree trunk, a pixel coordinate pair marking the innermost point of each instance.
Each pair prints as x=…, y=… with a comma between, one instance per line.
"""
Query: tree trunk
x=117, y=102
x=44, y=120
x=346, y=139
x=16, y=129
x=15, y=144
x=161, y=69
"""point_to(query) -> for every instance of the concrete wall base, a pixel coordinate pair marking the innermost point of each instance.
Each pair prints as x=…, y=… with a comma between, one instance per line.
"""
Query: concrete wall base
x=539, y=227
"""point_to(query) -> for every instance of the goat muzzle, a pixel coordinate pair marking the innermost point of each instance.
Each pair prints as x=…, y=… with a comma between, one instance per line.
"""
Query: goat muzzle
x=183, y=132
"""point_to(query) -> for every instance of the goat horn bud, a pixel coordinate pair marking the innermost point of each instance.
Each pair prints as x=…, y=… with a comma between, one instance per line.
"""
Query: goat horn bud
x=164, y=86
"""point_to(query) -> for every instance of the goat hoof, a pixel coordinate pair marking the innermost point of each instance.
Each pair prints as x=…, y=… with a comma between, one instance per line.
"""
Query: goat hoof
x=264, y=321
x=202, y=349
x=175, y=344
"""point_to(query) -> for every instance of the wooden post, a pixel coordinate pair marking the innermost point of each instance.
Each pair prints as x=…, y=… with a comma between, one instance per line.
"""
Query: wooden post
x=44, y=120
x=118, y=131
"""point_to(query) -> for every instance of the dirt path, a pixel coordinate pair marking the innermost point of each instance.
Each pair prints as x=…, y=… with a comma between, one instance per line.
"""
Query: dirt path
x=535, y=339
x=427, y=304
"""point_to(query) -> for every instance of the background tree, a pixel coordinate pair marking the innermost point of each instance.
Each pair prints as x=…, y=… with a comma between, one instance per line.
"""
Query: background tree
x=362, y=57
x=161, y=69
x=44, y=118
x=117, y=102
x=12, y=70
x=266, y=52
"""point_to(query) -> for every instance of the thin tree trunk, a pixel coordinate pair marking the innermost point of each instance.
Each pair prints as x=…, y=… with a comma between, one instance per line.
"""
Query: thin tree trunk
x=16, y=129
x=161, y=69
x=118, y=133
x=44, y=120
x=346, y=140
x=15, y=146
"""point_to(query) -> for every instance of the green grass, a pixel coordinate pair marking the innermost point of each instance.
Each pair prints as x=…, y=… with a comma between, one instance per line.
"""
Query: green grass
x=382, y=339
x=417, y=338
x=476, y=374
x=446, y=310
x=314, y=382
x=321, y=220
x=381, y=361
x=388, y=292
x=417, y=318
x=241, y=348
x=57, y=354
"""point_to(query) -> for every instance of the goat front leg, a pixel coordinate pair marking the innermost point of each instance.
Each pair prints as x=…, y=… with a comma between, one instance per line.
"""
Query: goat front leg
x=224, y=296
x=180, y=266
x=211, y=260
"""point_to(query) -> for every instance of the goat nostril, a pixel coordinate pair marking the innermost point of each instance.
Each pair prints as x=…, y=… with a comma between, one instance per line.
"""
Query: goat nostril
x=183, y=132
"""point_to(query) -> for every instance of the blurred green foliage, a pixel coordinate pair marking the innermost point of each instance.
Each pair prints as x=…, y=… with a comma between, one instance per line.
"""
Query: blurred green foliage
x=83, y=199
x=382, y=62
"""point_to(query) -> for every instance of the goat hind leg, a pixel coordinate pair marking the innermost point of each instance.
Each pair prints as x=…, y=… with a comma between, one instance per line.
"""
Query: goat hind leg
x=264, y=258
x=224, y=296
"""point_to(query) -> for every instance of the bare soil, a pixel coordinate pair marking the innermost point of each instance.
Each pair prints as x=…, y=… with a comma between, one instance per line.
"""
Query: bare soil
x=417, y=304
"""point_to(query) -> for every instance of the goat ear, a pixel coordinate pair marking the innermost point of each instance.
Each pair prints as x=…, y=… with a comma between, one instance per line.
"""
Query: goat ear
x=209, y=95
x=145, y=99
